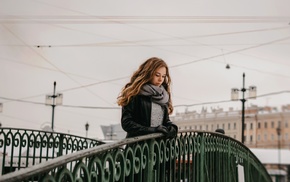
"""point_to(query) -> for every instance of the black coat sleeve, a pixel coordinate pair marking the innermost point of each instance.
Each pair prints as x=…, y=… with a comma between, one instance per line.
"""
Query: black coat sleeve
x=133, y=124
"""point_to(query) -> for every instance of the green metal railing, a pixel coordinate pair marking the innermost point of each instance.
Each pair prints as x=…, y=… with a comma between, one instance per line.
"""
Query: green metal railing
x=23, y=148
x=192, y=156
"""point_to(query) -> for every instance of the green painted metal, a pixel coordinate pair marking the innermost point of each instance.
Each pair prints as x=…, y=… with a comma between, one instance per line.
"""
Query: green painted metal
x=192, y=156
x=23, y=148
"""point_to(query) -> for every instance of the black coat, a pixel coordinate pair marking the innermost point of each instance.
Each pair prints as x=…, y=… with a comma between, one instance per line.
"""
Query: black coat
x=136, y=116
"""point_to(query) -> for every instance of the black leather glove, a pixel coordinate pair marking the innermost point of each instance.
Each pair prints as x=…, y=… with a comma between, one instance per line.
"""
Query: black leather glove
x=172, y=133
x=162, y=129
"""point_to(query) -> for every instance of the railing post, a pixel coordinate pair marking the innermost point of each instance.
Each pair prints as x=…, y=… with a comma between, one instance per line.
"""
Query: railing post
x=247, y=170
x=202, y=158
x=229, y=161
x=150, y=171
x=60, y=147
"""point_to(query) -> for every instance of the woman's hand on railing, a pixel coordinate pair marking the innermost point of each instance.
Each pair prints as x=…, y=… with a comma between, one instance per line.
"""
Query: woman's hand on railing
x=169, y=131
x=162, y=129
x=172, y=133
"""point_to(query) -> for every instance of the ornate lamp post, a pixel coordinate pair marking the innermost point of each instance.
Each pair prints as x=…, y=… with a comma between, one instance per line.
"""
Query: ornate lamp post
x=235, y=96
x=53, y=100
x=87, y=128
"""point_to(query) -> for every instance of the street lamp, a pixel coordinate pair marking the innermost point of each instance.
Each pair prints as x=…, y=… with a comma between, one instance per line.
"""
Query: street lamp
x=235, y=96
x=87, y=128
x=53, y=100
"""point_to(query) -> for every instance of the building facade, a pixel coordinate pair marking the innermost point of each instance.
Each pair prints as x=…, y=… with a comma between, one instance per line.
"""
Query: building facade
x=265, y=127
x=230, y=121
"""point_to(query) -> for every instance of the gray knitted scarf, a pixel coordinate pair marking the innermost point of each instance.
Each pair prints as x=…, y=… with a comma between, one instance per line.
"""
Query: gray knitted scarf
x=159, y=94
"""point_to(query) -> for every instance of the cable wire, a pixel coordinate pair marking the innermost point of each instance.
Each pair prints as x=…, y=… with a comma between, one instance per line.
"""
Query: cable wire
x=182, y=105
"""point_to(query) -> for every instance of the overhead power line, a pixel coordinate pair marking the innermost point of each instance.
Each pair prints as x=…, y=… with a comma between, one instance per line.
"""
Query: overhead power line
x=224, y=101
x=91, y=19
x=232, y=52
x=101, y=107
x=84, y=17
x=40, y=103
x=53, y=65
x=147, y=42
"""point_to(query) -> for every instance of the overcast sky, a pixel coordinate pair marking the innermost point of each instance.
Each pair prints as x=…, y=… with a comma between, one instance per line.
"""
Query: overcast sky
x=91, y=48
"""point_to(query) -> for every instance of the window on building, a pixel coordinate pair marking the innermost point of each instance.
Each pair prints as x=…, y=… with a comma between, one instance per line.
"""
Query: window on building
x=286, y=124
x=206, y=127
x=235, y=126
x=265, y=137
x=195, y=127
x=185, y=127
x=265, y=124
x=286, y=136
x=223, y=126
x=251, y=138
x=229, y=126
x=190, y=127
x=234, y=136
x=217, y=126
x=272, y=124
x=259, y=125
x=272, y=137
x=200, y=127
x=258, y=137
x=251, y=126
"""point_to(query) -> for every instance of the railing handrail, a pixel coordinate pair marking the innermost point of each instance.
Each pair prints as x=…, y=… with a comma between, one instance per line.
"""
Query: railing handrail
x=78, y=155
x=46, y=166
x=224, y=136
x=52, y=132
x=21, y=148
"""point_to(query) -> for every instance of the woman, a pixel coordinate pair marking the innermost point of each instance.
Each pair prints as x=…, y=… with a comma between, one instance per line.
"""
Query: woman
x=146, y=101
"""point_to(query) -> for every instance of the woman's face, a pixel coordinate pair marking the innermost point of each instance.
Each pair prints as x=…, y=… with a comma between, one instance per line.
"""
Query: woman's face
x=159, y=76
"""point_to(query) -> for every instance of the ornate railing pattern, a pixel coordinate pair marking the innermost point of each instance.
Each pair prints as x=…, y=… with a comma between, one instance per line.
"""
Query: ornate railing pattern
x=23, y=148
x=192, y=156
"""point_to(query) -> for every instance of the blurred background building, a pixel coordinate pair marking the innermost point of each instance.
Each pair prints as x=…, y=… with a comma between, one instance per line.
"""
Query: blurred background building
x=266, y=131
x=113, y=132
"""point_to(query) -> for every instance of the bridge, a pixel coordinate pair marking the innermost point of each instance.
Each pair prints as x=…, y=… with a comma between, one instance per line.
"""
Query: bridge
x=32, y=155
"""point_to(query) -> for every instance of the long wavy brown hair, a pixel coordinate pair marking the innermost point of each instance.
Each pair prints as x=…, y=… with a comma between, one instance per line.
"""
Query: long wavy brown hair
x=143, y=75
